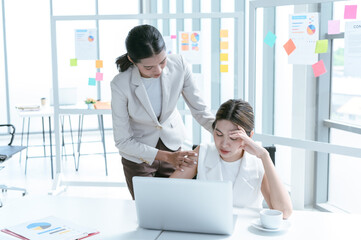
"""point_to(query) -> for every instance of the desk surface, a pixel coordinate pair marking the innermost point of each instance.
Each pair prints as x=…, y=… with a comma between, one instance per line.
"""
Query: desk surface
x=64, y=110
x=116, y=219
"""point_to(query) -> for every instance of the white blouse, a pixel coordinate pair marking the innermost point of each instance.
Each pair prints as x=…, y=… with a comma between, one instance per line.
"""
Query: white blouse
x=248, y=179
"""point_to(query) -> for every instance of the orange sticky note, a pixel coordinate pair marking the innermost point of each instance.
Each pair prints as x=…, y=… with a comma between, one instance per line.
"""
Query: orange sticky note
x=319, y=68
x=224, y=68
x=224, y=45
x=224, y=56
x=289, y=46
x=224, y=33
x=99, y=63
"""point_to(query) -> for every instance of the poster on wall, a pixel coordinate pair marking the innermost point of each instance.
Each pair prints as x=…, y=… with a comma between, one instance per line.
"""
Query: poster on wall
x=86, y=44
x=352, y=52
x=190, y=46
x=170, y=43
x=304, y=32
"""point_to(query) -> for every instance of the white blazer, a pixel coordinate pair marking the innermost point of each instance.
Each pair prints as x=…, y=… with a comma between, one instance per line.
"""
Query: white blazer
x=136, y=128
x=247, y=186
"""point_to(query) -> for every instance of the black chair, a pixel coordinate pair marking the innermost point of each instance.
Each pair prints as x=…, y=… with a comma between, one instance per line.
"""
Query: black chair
x=270, y=149
x=6, y=152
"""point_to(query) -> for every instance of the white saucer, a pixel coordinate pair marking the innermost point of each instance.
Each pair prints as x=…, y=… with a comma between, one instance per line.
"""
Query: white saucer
x=284, y=226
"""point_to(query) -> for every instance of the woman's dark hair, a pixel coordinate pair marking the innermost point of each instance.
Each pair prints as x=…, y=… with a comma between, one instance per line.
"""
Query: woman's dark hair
x=238, y=112
x=143, y=41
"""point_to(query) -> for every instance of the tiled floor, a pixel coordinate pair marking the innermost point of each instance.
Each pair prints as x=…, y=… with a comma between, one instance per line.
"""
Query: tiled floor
x=38, y=180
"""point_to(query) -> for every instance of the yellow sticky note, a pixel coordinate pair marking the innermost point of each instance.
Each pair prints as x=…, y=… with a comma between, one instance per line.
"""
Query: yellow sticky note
x=321, y=46
x=224, y=45
x=224, y=68
x=224, y=33
x=73, y=62
x=99, y=63
x=224, y=56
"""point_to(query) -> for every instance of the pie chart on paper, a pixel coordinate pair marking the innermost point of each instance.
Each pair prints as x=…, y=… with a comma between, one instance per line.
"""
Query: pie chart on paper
x=311, y=29
x=195, y=37
x=90, y=38
x=39, y=226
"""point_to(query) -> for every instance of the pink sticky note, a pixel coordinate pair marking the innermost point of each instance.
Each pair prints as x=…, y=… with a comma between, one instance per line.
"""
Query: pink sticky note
x=99, y=76
x=173, y=36
x=350, y=12
x=319, y=68
x=333, y=26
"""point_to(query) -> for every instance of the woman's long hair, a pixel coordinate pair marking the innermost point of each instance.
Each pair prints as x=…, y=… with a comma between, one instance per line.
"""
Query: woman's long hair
x=143, y=41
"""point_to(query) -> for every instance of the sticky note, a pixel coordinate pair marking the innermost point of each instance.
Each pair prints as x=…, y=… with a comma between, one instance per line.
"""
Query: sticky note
x=270, y=39
x=321, y=46
x=224, y=45
x=224, y=68
x=73, y=62
x=173, y=36
x=91, y=82
x=333, y=26
x=224, y=56
x=99, y=76
x=319, y=68
x=350, y=11
x=289, y=46
x=224, y=33
x=99, y=63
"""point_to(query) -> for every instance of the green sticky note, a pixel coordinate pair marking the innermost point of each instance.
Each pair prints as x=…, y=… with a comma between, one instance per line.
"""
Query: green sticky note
x=321, y=46
x=73, y=62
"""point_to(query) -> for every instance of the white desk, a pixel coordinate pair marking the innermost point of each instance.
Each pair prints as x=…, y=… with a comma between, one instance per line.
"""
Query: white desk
x=47, y=112
x=304, y=225
x=116, y=219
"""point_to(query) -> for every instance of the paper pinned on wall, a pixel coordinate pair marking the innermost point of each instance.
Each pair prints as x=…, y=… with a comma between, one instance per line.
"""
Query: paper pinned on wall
x=224, y=33
x=350, y=12
x=91, y=82
x=73, y=62
x=319, y=68
x=321, y=46
x=224, y=45
x=191, y=46
x=86, y=44
x=289, y=46
x=170, y=44
x=224, y=68
x=270, y=39
x=99, y=64
x=352, y=53
x=333, y=26
x=304, y=31
x=99, y=76
x=224, y=57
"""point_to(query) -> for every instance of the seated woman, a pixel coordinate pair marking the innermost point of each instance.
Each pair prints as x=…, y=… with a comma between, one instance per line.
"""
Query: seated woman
x=235, y=157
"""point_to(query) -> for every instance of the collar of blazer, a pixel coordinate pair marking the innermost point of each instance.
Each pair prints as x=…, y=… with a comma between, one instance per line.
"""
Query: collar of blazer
x=141, y=93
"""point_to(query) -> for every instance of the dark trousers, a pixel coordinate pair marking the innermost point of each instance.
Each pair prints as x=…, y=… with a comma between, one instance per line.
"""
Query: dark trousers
x=157, y=169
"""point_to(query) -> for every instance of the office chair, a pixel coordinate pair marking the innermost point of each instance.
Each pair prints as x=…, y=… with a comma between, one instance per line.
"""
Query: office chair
x=6, y=152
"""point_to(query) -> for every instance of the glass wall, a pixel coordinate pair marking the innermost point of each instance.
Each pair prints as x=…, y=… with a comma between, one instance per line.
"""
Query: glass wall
x=30, y=64
x=344, y=172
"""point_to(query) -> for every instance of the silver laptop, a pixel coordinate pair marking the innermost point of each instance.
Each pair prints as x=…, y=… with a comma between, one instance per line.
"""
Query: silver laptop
x=184, y=204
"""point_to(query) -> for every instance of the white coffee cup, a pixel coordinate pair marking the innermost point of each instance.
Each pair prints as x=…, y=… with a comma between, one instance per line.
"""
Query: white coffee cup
x=271, y=218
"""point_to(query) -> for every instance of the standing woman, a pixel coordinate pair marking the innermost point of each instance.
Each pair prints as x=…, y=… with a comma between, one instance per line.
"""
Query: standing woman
x=148, y=129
